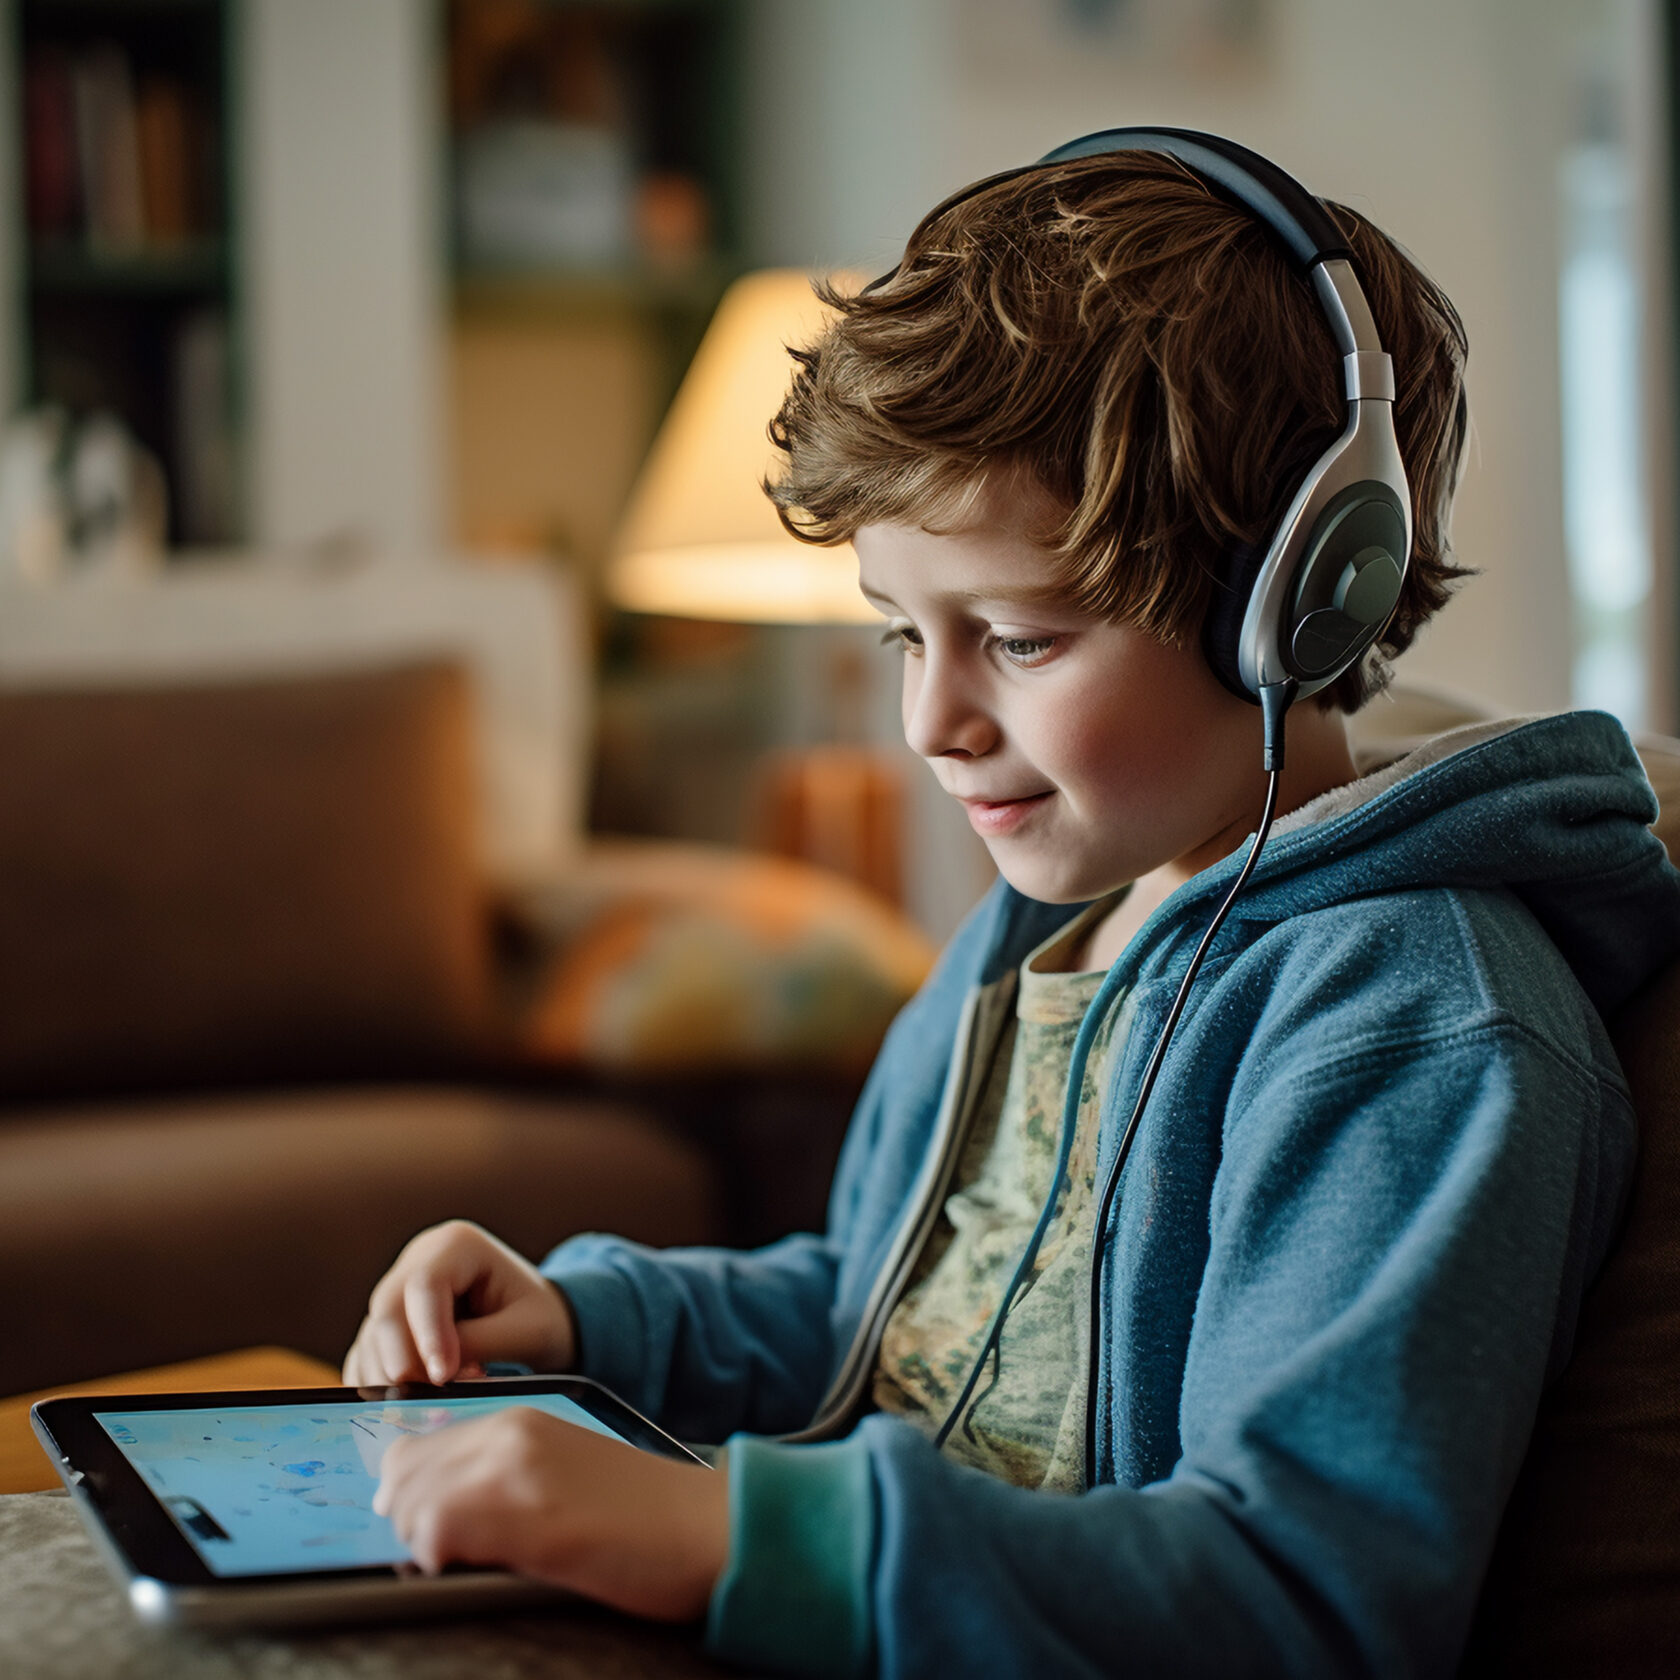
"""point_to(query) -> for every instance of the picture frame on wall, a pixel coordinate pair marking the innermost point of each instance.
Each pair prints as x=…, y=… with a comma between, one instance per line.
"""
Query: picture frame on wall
x=1038, y=38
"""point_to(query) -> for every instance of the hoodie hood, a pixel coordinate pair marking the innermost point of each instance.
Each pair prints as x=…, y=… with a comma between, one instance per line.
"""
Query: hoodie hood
x=1557, y=810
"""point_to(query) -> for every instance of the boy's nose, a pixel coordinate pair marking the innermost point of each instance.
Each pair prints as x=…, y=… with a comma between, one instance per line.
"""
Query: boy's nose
x=942, y=717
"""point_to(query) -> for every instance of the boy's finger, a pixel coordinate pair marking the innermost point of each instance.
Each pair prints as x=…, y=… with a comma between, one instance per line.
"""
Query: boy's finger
x=479, y=1339
x=393, y=1468
x=395, y=1352
x=351, y=1375
x=513, y=1333
x=361, y=1363
x=429, y=1306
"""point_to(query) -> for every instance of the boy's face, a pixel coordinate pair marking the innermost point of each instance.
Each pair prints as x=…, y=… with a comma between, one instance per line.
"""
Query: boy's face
x=1086, y=753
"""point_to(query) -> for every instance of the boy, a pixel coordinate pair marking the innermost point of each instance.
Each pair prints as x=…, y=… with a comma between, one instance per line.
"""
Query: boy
x=1261, y=1416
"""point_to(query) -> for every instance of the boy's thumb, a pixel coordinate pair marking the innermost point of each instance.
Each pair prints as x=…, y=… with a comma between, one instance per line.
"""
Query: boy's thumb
x=516, y=1332
x=481, y=1340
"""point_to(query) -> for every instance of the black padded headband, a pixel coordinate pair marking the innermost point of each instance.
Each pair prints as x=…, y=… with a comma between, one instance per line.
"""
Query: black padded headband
x=1256, y=183
x=1273, y=196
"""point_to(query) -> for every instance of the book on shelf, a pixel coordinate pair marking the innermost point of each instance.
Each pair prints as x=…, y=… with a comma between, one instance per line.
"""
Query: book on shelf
x=107, y=149
x=163, y=134
x=116, y=162
x=52, y=174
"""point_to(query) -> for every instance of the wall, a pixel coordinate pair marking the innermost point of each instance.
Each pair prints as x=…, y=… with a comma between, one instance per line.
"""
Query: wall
x=11, y=187
x=1644, y=66
x=548, y=417
x=342, y=268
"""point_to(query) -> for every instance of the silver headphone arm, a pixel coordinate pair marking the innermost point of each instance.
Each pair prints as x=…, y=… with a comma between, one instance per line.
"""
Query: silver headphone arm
x=1367, y=371
x=1367, y=449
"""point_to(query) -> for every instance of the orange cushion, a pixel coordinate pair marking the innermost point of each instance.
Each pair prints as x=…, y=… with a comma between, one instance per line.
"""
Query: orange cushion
x=656, y=957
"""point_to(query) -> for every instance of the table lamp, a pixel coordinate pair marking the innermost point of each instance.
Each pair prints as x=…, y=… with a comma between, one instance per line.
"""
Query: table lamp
x=700, y=539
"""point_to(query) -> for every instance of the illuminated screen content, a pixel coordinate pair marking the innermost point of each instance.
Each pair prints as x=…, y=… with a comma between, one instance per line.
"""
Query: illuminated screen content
x=274, y=1490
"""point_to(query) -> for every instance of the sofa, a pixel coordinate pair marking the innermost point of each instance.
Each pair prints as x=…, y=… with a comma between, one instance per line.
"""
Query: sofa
x=303, y=947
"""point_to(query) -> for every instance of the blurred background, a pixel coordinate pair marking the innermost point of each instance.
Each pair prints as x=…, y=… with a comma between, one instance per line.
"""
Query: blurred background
x=430, y=783
x=317, y=284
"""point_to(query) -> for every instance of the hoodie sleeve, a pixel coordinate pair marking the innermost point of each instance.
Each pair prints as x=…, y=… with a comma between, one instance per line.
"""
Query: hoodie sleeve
x=705, y=1341
x=711, y=1341
x=1400, y=1232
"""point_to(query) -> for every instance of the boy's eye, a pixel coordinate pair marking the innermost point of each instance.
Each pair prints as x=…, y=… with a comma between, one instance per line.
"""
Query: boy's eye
x=1025, y=650
x=903, y=635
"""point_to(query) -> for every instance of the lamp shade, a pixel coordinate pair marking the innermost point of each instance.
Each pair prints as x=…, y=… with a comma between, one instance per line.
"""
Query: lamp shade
x=700, y=539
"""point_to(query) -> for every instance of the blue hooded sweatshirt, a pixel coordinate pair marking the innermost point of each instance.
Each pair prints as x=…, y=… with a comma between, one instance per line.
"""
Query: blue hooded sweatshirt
x=1386, y=1154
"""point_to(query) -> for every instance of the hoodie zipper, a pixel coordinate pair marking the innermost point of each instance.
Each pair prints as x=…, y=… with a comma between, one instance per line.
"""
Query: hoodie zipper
x=986, y=1012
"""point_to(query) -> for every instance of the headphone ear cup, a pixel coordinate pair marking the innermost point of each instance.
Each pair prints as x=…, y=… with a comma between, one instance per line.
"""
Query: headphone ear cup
x=1233, y=583
x=1348, y=583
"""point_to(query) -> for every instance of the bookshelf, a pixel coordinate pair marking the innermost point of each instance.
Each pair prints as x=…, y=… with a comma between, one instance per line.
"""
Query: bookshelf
x=593, y=141
x=126, y=278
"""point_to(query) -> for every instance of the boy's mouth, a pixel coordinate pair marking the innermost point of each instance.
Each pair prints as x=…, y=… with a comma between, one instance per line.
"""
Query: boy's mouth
x=1001, y=816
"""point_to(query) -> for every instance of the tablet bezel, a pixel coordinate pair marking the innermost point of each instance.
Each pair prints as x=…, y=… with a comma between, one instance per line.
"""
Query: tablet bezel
x=168, y=1580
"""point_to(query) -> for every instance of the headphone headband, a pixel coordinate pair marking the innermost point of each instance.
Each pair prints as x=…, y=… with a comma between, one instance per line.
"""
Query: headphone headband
x=1273, y=196
x=1301, y=608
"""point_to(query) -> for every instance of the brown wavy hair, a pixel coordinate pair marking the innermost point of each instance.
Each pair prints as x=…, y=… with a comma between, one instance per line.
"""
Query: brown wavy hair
x=1147, y=355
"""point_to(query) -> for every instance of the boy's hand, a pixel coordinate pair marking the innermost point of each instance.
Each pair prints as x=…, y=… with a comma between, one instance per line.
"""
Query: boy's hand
x=531, y=1493
x=455, y=1298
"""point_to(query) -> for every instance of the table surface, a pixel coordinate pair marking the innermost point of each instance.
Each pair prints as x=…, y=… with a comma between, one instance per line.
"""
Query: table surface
x=62, y=1616
x=25, y=1468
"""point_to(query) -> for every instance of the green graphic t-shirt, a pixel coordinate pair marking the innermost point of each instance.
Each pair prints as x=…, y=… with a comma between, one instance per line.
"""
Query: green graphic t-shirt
x=1029, y=1426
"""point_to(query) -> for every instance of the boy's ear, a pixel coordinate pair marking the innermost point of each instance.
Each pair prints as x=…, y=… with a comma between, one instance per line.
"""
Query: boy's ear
x=1234, y=574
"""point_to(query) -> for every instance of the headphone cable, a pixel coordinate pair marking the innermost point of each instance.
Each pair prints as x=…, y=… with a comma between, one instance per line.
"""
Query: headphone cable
x=1274, y=702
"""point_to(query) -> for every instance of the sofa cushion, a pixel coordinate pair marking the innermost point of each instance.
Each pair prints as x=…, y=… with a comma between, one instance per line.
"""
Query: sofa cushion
x=231, y=881
x=648, y=956
x=516, y=624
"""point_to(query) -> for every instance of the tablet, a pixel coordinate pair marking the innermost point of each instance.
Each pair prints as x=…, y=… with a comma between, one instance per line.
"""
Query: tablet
x=256, y=1507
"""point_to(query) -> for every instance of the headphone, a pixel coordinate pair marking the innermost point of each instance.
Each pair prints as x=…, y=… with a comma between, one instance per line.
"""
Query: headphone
x=1288, y=619
x=1297, y=611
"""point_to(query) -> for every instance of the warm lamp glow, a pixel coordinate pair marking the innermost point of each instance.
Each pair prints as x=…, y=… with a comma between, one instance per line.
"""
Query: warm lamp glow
x=700, y=538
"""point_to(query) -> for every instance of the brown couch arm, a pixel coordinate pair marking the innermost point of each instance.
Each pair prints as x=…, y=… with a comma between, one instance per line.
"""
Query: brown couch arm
x=145, y=1232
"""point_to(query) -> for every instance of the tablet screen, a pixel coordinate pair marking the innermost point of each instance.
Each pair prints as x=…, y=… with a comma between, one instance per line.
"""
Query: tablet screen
x=264, y=1490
